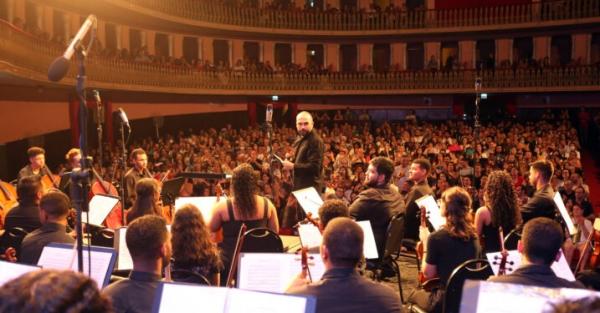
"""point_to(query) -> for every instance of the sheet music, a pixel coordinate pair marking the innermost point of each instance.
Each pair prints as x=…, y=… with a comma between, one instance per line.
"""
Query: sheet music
x=565, y=215
x=10, y=271
x=188, y=298
x=204, y=204
x=561, y=267
x=99, y=208
x=597, y=224
x=309, y=199
x=124, y=261
x=310, y=235
x=290, y=243
x=260, y=302
x=273, y=272
x=494, y=297
x=434, y=214
x=369, y=245
x=64, y=257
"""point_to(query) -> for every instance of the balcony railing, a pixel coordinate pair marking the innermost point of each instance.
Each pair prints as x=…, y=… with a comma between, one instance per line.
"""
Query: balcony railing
x=210, y=11
x=28, y=57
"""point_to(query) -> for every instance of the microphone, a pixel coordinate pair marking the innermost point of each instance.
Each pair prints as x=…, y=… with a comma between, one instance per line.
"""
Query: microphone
x=269, y=113
x=60, y=66
x=96, y=96
x=123, y=117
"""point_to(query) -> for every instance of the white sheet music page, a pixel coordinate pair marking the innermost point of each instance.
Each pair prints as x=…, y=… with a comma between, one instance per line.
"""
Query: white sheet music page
x=204, y=204
x=564, y=213
x=434, y=214
x=310, y=235
x=258, y=302
x=561, y=267
x=309, y=199
x=124, y=261
x=273, y=272
x=185, y=298
x=10, y=271
x=99, y=208
x=494, y=297
x=369, y=245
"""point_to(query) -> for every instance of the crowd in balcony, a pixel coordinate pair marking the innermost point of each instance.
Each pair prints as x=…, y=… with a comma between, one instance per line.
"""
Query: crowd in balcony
x=460, y=155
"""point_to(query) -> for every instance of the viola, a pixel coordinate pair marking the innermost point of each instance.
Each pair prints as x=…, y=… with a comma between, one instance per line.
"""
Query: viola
x=504, y=263
x=595, y=256
x=420, y=249
x=304, y=262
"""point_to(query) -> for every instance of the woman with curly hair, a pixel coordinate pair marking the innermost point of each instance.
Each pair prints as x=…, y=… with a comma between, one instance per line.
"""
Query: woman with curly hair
x=500, y=209
x=192, y=248
x=244, y=207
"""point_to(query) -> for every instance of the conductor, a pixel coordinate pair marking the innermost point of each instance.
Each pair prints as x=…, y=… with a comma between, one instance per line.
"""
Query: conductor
x=308, y=160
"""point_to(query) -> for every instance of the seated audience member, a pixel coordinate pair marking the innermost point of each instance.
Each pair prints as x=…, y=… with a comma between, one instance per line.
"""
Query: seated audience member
x=192, y=248
x=26, y=214
x=378, y=203
x=54, y=209
x=342, y=289
x=149, y=244
x=53, y=291
x=500, y=210
x=448, y=247
x=331, y=209
x=146, y=200
x=539, y=247
x=542, y=203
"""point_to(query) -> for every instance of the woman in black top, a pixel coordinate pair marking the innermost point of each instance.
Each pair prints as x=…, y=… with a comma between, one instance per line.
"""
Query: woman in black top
x=246, y=207
x=193, y=249
x=500, y=209
x=146, y=201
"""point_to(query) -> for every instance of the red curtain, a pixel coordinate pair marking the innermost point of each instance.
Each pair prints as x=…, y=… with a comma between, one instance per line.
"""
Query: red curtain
x=459, y=4
x=251, y=113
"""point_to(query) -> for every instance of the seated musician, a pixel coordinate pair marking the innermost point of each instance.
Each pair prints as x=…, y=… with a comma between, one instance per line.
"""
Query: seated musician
x=37, y=161
x=342, y=289
x=539, y=247
x=26, y=214
x=331, y=209
x=148, y=241
x=448, y=247
x=146, y=201
x=500, y=210
x=245, y=207
x=54, y=209
x=193, y=249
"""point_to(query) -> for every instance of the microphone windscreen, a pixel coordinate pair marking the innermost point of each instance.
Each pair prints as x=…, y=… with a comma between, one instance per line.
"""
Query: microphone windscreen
x=58, y=69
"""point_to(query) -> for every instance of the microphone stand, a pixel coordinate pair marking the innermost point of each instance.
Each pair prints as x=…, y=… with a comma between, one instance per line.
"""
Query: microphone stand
x=124, y=167
x=80, y=180
x=100, y=119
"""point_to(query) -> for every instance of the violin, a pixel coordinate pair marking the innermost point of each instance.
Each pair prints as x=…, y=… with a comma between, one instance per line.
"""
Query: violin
x=310, y=219
x=167, y=210
x=304, y=262
x=8, y=199
x=504, y=262
x=420, y=249
x=236, y=257
x=580, y=255
x=595, y=256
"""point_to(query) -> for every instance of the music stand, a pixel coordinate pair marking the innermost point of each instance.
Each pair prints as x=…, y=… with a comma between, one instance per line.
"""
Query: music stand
x=170, y=190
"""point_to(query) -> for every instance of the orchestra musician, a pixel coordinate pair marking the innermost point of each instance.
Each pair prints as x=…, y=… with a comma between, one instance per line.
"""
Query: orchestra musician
x=542, y=203
x=449, y=246
x=147, y=196
x=244, y=207
x=139, y=158
x=37, y=162
x=73, y=158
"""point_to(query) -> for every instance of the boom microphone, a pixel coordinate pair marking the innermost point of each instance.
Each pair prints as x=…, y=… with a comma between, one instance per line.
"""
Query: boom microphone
x=123, y=117
x=60, y=66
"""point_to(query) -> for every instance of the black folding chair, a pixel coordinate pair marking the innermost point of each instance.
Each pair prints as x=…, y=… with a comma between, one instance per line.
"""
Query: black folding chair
x=476, y=269
x=395, y=234
x=262, y=240
x=512, y=239
x=13, y=237
x=190, y=277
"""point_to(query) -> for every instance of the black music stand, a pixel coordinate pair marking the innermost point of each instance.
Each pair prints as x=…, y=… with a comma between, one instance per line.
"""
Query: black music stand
x=170, y=190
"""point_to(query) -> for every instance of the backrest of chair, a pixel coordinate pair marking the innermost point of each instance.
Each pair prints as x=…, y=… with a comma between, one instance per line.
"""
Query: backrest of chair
x=476, y=269
x=13, y=238
x=262, y=240
x=395, y=234
x=103, y=237
x=190, y=277
x=512, y=239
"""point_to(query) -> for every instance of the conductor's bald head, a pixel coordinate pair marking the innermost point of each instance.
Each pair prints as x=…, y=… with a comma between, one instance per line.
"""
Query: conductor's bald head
x=342, y=242
x=304, y=123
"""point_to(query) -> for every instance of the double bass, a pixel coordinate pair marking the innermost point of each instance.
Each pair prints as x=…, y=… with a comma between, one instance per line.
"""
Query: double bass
x=8, y=199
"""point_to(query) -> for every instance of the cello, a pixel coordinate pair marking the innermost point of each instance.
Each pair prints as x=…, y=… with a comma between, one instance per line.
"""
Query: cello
x=102, y=187
x=8, y=199
x=48, y=179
